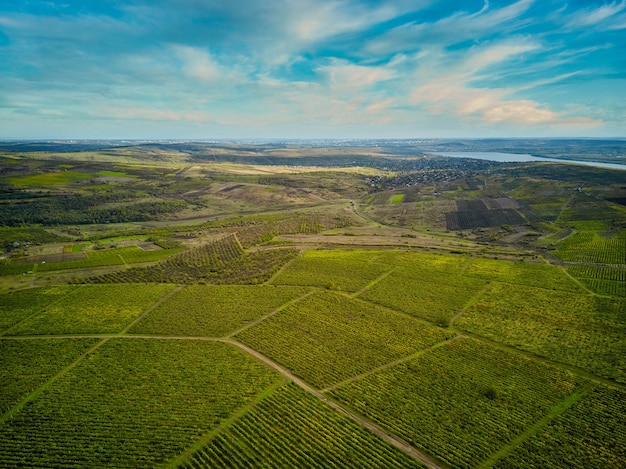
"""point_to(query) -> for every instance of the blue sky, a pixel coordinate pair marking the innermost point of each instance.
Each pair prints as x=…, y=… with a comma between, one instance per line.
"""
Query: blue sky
x=312, y=68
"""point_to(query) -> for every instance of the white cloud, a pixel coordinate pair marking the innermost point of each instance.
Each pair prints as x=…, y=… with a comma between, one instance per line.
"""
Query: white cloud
x=451, y=92
x=198, y=63
x=594, y=16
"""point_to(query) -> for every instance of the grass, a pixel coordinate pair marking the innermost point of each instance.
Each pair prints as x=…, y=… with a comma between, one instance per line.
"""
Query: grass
x=49, y=179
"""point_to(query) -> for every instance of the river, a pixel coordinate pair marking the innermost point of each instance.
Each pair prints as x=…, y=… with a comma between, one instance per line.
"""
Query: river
x=519, y=158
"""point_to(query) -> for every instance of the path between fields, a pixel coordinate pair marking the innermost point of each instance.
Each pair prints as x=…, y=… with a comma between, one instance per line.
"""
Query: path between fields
x=393, y=440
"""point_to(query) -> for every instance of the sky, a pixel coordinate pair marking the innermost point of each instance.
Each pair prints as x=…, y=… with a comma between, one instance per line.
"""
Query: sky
x=230, y=69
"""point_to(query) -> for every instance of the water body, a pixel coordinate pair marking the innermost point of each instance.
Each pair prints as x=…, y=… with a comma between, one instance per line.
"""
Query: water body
x=519, y=158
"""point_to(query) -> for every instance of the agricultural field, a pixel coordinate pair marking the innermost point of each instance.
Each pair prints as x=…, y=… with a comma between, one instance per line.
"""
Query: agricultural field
x=17, y=306
x=593, y=248
x=214, y=311
x=291, y=428
x=92, y=309
x=27, y=364
x=581, y=330
x=141, y=402
x=329, y=337
x=336, y=270
x=305, y=306
x=599, y=420
x=454, y=404
x=433, y=296
x=603, y=281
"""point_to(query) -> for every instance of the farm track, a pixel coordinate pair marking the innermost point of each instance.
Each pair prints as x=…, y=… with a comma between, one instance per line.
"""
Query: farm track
x=392, y=363
x=159, y=302
x=470, y=303
x=33, y=395
x=272, y=313
x=373, y=282
x=555, y=412
x=392, y=439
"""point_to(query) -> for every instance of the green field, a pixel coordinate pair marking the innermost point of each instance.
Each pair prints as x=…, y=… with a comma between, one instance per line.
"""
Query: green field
x=17, y=306
x=214, y=311
x=329, y=337
x=304, y=306
x=580, y=330
x=293, y=429
x=27, y=364
x=335, y=270
x=455, y=404
x=591, y=434
x=141, y=402
x=92, y=309
x=50, y=179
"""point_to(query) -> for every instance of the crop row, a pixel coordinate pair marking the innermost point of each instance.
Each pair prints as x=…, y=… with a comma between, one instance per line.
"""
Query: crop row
x=16, y=306
x=455, y=404
x=591, y=247
x=220, y=262
x=590, y=434
x=426, y=297
x=605, y=281
x=336, y=270
x=92, y=309
x=328, y=337
x=291, y=428
x=213, y=311
x=133, y=403
x=26, y=364
x=581, y=330
x=263, y=231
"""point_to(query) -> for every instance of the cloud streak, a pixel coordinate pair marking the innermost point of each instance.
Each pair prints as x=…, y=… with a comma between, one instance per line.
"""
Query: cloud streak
x=311, y=68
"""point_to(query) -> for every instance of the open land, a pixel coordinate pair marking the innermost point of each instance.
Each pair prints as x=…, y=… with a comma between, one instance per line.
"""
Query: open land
x=320, y=304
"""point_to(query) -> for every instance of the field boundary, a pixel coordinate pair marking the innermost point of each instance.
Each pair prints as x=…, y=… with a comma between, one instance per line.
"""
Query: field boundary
x=47, y=305
x=531, y=431
x=471, y=302
x=207, y=437
x=272, y=313
x=392, y=439
x=158, y=303
x=380, y=278
x=33, y=395
x=392, y=363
